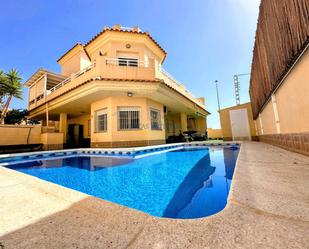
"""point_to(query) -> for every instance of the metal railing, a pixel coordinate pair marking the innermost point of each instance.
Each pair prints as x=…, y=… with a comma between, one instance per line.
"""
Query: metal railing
x=67, y=80
x=179, y=86
x=126, y=62
x=168, y=75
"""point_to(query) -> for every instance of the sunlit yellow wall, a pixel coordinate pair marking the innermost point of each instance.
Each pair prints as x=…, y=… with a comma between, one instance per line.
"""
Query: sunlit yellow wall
x=201, y=125
x=20, y=134
x=113, y=134
x=268, y=119
x=37, y=89
x=292, y=100
x=173, y=119
x=214, y=133
x=76, y=62
x=52, y=138
x=111, y=45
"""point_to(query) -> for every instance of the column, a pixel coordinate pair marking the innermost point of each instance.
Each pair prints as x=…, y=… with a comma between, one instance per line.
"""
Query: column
x=183, y=122
x=63, y=124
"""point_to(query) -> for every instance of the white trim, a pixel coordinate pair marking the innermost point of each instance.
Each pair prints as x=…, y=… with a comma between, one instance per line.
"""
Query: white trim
x=276, y=114
x=261, y=124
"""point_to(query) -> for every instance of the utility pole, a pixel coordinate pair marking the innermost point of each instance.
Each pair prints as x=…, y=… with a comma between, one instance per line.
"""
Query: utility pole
x=216, y=83
x=237, y=86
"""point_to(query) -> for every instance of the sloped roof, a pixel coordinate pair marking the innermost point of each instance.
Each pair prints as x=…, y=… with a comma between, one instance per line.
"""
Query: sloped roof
x=133, y=31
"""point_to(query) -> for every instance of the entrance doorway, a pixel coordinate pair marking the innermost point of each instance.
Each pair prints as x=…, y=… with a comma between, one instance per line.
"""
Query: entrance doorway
x=75, y=136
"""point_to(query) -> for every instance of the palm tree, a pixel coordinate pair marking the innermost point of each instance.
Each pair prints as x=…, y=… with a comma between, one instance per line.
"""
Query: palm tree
x=12, y=86
x=3, y=88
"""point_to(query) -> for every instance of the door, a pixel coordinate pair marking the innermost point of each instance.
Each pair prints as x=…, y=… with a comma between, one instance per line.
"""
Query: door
x=240, y=124
x=75, y=136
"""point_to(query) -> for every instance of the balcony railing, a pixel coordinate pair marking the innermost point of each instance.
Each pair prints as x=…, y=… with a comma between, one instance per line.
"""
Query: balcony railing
x=67, y=80
x=128, y=62
x=171, y=81
x=114, y=68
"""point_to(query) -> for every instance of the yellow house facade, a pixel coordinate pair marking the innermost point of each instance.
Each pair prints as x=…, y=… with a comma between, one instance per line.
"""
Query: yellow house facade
x=113, y=92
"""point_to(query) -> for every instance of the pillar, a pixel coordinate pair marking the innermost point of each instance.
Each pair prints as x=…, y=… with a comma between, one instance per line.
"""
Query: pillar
x=183, y=122
x=63, y=124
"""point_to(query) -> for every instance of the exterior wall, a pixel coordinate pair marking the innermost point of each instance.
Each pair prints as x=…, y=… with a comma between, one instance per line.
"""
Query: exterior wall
x=201, y=125
x=268, y=119
x=173, y=125
x=52, y=141
x=37, y=89
x=293, y=99
x=20, y=134
x=114, y=137
x=292, y=103
x=113, y=42
x=75, y=63
x=214, y=133
x=226, y=121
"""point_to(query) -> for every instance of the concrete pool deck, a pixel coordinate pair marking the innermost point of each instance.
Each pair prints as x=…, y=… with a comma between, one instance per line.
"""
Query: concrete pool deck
x=268, y=207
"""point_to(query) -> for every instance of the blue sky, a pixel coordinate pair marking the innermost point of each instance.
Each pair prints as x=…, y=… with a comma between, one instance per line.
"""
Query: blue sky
x=205, y=40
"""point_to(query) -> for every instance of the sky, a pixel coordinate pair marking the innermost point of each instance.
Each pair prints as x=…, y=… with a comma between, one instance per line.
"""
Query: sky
x=205, y=40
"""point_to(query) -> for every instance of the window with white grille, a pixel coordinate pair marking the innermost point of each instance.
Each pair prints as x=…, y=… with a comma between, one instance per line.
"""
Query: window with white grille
x=101, y=120
x=155, y=117
x=128, y=62
x=128, y=118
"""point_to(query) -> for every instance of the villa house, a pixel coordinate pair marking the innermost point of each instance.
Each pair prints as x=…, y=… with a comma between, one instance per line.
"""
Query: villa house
x=113, y=92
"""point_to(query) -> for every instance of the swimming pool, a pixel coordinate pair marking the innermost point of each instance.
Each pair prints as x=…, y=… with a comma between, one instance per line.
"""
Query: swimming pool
x=185, y=182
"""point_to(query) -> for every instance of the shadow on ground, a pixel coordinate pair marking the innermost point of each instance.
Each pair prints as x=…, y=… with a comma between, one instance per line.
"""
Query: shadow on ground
x=85, y=224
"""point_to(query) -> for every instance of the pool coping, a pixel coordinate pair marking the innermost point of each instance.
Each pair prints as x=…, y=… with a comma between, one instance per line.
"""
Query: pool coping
x=262, y=211
x=133, y=152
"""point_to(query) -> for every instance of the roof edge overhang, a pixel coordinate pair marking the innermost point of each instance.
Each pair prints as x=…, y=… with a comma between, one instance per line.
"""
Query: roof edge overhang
x=159, y=81
x=38, y=74
x=78, y=47
x=106, y=29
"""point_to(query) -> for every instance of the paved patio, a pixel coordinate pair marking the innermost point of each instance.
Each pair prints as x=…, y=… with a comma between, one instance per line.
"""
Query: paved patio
x=268, y=207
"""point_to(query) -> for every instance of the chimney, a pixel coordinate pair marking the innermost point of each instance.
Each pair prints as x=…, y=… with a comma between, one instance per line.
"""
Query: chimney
x=117, y=27
x=136, y=29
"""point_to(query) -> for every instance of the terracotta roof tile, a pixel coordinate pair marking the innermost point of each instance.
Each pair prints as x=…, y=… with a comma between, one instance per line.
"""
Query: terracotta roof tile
x=126, y=31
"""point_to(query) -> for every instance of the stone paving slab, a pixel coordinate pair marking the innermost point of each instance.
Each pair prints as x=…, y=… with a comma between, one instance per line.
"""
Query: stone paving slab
x=268, y=207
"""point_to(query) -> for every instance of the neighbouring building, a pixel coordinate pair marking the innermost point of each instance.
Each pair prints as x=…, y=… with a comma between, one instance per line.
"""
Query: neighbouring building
x=279, y=85
x=113, y=92
x=237, y=123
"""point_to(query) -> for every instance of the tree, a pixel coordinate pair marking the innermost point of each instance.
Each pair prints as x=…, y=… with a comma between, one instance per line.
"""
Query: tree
x=16, y=116
x=3, y=88
x=12, y=87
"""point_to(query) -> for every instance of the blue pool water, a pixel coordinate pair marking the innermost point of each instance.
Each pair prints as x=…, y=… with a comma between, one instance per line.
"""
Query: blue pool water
x=185, y=183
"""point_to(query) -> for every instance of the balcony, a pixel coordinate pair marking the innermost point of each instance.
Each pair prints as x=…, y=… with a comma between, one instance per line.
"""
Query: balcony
x=109, y=68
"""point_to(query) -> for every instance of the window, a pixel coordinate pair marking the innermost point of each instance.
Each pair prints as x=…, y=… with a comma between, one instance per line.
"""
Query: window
x=155, y=119
x=128, y=118
x=101, y=120
x=128, y=62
